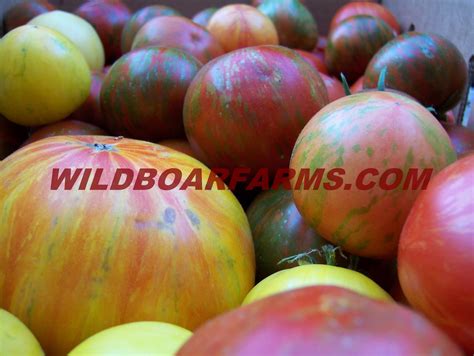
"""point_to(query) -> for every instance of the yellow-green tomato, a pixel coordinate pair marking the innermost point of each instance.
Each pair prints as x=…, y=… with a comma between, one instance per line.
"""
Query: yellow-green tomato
x=78, y=31
x=43, y=76
x=140, y=338
x=16, y=338
x=315, y=275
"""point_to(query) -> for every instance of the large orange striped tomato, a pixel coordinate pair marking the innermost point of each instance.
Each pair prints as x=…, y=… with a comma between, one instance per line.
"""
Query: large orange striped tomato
x=77, y=262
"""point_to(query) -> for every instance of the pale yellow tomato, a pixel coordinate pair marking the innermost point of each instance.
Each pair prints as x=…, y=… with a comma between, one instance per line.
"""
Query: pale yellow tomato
x=140, y=338
x=313, y=275
x=78, y=31
x=43, y=76
x=15, y=338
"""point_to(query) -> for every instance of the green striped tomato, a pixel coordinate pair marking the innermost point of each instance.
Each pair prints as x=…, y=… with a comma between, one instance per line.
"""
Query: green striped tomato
x=246, y=108
x=143, y=93
x=294, y=23
x=280, y=232
x=75, y=262
x=426, y=66
x=370, y=130
x=352, y=44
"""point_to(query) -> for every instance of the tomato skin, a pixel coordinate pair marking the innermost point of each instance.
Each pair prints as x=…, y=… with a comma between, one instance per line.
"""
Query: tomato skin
x=64, y=128
x=255, y=121
x=370, y=130
x=437, y=240
x=315, y=274
x=239, y=26
x=108, y=18
x=365, y=8
x=461, y=137
x=279, y=232
x=314, y=61
x=409, y=57
x=139, y=19
x=319, y=320
x=179, y=32
x=202, y=17
x=19, y=14
x=352, y=44
x=94, y=259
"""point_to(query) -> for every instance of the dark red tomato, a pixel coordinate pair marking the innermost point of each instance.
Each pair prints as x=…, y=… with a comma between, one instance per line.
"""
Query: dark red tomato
x=108, y=18
x=461, y=137
x=314, y=60
x=179, y=32
x=365, y=8
x=140, y=18
x=21, y=13
x=246, y=108
x=64, y=128
x=279, y=232
x=11, y=137
x=90, y=111
x=353, y=43
x=321, y=320
x=142, y=95
x=202, y=18
x=334, y=87
x=436, y=252
x=416, y=64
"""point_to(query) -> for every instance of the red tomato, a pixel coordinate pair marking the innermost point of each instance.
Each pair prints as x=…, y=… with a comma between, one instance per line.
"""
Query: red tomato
x=365, y=8
x=436, y=252
x=314, y=61
x=319, y=320
x=334, y=87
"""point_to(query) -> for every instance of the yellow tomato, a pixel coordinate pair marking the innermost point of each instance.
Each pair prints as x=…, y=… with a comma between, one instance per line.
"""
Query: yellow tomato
x=15, y=338
x=312, y=275
x=141, y=338
x=43, y=76
x=78, y=31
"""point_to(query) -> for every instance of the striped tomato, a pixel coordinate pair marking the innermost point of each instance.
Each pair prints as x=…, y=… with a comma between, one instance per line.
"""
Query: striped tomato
x=426, y=66
x=295, y=25
x=380, y=131
x=143, y=93
x=108, y=18
x=139, y=19
x=280, y=232
x=319, y=320
x=365, y=8
x=352, y=44
x=179, y=32
x=81, y=261
x=246, y=109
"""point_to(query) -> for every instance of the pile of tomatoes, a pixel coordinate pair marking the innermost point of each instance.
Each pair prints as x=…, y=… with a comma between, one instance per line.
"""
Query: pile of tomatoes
x=351, y=231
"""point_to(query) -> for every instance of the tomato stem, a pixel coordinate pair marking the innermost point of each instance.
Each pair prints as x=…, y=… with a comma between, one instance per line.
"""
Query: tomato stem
x=347, y=90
